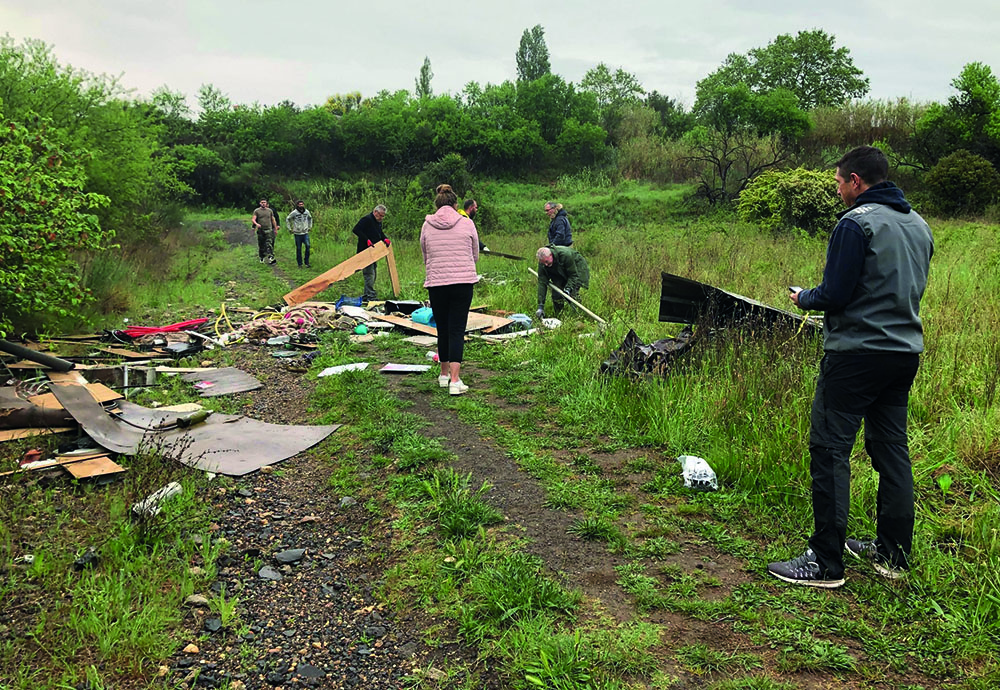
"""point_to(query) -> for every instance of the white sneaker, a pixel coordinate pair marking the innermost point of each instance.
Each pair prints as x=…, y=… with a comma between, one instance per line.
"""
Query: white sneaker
x=457, y=388
x=443, y=381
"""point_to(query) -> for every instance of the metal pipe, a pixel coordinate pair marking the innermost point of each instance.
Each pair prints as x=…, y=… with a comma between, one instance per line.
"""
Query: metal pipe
x=37, y=357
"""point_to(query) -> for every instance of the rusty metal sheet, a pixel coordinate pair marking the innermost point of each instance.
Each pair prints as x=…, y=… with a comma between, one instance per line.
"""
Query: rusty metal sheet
x=224, y=381
x=225, y=444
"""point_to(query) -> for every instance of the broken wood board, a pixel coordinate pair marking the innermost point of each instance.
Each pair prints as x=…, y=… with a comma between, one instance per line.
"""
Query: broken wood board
x=25, y=364
x=485, y=322
x=94, y=467
x=406, y=323
x=57, y=461
x=343, y=270
x=100, y=392
x=15, y=434
x=233, y=445
x=125, y=354
x=224, y=381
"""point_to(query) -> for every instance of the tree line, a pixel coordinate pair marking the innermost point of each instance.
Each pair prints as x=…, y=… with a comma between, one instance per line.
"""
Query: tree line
x=126, y=166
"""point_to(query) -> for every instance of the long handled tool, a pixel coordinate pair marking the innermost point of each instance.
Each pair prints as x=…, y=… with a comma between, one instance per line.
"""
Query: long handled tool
x=506, y=256
x=572, y=301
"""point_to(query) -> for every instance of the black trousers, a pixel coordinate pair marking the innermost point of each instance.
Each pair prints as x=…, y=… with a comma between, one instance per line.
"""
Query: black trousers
x=450, y=304
x=874, y=388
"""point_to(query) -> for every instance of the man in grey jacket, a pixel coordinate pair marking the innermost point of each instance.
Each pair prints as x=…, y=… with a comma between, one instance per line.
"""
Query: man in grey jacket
x=876, y=272
x=300, y=222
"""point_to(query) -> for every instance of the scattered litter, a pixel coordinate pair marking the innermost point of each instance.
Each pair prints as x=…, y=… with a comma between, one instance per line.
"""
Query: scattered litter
x=361, y=329
x=635, y=357
x=433, y=356
x=150, y=506
x=89, y=559
x=392, y=368
x=425, y=316
x=402, y=306
x=355, y=312
x=331, y=371
x=284, y=354
x=203, y=385
x=698, y=474
x=279, y=340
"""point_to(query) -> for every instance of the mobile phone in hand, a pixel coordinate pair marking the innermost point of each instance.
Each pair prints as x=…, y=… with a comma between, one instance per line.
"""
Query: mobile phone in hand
x=794, y=288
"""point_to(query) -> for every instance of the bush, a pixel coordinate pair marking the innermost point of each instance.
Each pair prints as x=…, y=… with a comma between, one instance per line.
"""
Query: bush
x=799, y=198
x=449, y=170
x=962, y=184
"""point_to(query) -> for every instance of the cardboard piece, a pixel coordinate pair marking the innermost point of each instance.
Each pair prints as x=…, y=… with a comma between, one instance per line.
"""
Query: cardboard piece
x=485, y=322
x=406, y=323
x=392, y=368
x=95, y=467
x=343, y=270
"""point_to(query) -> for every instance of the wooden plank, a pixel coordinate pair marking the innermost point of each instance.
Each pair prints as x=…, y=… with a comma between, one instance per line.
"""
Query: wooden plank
x=478, y=322
x=406, y=323
x=94, y=467
x=25, y=364
x=122, y=352
x=15, y=434
x=345, y=269
x=99, y=391
x=393, y=275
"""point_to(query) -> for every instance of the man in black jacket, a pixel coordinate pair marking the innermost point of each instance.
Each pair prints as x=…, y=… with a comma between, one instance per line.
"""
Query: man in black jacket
x=369, y=231
x=876, y=272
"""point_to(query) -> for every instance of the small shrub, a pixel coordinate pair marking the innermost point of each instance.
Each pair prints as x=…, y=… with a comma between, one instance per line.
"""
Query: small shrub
x=962, y=184
x=798, y=198
x=449, y=170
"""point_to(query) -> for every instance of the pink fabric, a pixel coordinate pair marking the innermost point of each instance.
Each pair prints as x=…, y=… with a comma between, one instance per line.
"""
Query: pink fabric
x=450, y=245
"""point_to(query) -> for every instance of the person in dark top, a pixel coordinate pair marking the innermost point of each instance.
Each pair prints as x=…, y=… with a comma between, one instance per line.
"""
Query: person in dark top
x=876, y=271
x=369, y=231
x=265, y=221
x=565, y=268
x=560, y=232
x=469, y=210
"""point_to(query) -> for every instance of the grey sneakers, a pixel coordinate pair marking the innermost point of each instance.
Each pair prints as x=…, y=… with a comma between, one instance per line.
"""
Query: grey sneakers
x=803, y=570
x=867, y=550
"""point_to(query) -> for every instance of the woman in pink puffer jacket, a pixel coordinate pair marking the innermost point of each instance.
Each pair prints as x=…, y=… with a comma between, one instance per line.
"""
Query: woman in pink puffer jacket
x=450, y=245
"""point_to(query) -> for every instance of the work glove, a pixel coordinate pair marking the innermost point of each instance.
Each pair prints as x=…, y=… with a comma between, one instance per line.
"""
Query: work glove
x=386, y=240
x=540, y=314
x=369, y=243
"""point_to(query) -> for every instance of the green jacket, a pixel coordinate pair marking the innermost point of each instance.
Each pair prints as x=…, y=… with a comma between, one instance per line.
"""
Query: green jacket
x=569, y=271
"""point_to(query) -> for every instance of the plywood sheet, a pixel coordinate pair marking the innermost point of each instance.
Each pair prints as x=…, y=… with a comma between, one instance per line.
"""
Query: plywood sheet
x=487, y=322
x=341, y=271
x=66, y=377
x=125, y=354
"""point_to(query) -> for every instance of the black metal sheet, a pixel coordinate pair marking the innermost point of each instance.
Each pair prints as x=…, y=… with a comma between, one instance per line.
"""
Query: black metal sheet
x=683, y=300
x=225, y=381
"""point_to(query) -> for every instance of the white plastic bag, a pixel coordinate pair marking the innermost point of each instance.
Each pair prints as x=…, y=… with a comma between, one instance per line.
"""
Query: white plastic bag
x=698, y=474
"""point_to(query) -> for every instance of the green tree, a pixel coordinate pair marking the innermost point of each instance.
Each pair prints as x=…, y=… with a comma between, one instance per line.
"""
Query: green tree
x=422, y=84
x=45, y=219
x=970, y=120
x=962, y=183
x=614, y=91
x=808, y=64
x=741, y=134
x=532, y=55
x=342, y=103
x=674, y=120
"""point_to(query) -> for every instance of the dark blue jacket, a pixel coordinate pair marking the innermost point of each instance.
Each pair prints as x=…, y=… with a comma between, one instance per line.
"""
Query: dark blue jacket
x=368, y=230
x=560, y=233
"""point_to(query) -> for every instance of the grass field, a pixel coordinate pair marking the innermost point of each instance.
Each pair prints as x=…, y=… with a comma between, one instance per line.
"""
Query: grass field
x=741, y=401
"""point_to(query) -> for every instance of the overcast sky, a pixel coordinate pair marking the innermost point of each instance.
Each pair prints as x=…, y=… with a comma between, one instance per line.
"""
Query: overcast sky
x=305, y=50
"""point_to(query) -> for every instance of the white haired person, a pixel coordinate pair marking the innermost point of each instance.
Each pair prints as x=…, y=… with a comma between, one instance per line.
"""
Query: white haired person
x=560, y=232
x=565, y=268
x=450, y=245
